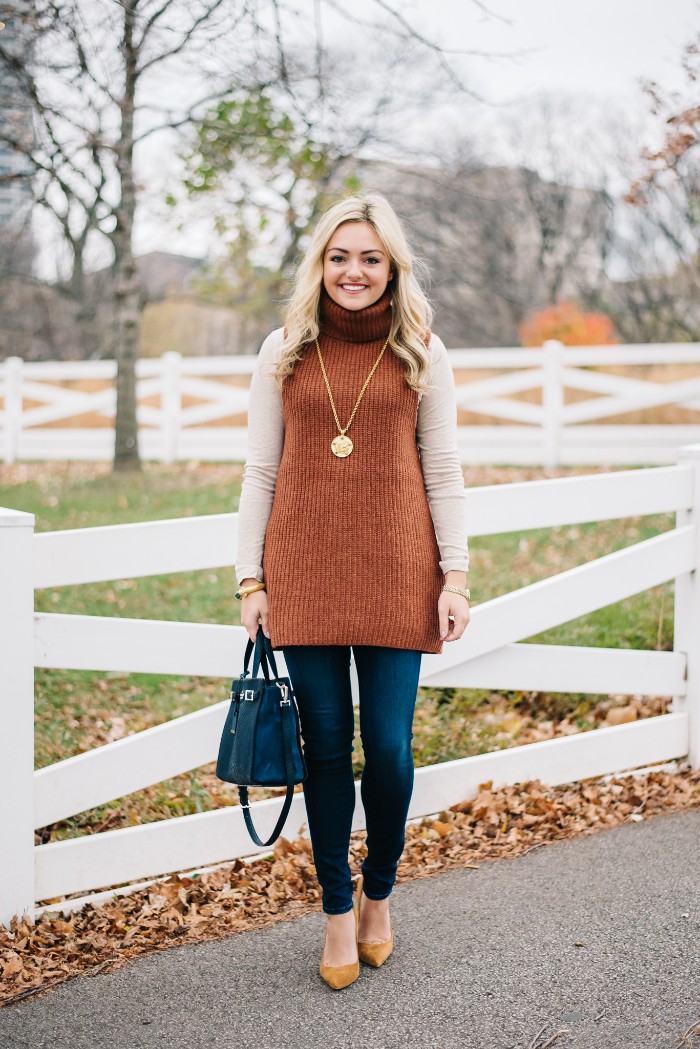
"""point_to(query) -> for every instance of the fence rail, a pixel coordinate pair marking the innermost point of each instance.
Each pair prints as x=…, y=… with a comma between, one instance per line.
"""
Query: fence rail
x=493, y=653
x=195, y=407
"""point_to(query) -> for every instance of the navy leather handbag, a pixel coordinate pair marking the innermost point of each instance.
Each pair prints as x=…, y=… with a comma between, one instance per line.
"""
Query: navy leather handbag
x=261, y=740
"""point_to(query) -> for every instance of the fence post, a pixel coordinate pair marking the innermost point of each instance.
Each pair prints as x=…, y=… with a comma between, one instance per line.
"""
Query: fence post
x=686, y=612
x=171, y=405
x=17, y=713
x=552, y=401
x=13, y=408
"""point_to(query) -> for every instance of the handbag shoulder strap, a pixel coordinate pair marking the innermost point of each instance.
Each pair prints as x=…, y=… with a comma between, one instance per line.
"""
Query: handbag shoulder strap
x=288, y=728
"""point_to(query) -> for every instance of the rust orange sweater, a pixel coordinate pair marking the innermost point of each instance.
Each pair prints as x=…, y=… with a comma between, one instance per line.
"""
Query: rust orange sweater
x=350, y=555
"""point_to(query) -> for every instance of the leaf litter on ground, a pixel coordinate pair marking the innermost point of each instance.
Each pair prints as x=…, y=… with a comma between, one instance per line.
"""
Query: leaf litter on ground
x=244, y=895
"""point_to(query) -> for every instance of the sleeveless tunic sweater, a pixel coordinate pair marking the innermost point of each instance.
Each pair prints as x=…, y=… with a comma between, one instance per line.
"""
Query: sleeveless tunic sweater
x=351, y=555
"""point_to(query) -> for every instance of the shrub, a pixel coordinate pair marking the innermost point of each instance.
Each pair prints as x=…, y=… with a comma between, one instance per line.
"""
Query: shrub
x=565, y=322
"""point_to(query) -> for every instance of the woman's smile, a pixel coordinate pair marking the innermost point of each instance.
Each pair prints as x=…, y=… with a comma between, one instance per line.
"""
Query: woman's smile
x=356, y=265
x=353, y=289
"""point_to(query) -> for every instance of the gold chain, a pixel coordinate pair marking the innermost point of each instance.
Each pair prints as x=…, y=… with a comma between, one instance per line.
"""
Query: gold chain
x=345, y=446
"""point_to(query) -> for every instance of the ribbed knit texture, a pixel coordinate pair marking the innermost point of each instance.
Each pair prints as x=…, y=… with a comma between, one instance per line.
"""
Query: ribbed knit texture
x=351, y=556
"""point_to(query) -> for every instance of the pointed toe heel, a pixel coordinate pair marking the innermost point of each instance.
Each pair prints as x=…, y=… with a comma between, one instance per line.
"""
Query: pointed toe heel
x=338, y=976
x=372, y=953
x=375, y=953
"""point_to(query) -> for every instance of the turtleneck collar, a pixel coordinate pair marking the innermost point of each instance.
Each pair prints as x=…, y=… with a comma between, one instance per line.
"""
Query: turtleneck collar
x=366, y=325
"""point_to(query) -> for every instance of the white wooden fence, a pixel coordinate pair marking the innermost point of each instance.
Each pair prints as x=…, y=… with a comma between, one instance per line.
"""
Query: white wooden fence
x=490, y=654
x=549, y=431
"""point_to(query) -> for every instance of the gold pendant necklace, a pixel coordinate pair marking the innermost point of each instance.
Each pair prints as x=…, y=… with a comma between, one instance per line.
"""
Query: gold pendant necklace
x=342, y=445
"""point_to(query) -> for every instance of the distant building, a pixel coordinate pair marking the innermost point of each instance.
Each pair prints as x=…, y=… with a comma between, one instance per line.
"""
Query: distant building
x=499, y=242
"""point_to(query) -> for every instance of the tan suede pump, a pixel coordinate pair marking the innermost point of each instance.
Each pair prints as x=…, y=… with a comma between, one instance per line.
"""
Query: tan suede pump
x=372, y=953
x=337, y=976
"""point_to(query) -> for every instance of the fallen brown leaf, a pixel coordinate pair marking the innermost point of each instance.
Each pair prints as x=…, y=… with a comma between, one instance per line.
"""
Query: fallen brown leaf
x=497, y=824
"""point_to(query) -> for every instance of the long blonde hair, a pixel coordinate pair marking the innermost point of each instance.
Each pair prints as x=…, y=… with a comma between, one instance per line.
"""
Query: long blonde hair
x=411, y=310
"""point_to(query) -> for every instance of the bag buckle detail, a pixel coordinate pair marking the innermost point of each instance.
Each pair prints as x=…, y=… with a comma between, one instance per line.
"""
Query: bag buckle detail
x=249, y=694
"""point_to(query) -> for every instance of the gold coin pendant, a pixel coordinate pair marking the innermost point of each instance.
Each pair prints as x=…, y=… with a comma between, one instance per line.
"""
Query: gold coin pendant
x=341, y=445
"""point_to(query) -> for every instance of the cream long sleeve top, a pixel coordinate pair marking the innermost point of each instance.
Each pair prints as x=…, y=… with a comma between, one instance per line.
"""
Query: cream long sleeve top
x=436, y=437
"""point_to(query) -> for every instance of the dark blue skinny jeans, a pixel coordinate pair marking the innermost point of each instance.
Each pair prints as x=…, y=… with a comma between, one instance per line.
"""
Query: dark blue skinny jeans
x=388, y=683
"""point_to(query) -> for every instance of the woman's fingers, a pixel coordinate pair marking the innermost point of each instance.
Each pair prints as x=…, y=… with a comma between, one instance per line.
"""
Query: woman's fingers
x=454, y=616
x=456, y=629
x=254, y=612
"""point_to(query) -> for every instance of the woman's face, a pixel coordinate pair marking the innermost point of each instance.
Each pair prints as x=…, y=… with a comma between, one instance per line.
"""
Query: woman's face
x=356, y=266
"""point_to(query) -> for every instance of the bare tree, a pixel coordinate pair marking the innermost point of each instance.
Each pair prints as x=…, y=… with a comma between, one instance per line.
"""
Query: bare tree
x=660, y=299
x=105, y=75
x=655, y=296
x=680, y=113
x=86, y=80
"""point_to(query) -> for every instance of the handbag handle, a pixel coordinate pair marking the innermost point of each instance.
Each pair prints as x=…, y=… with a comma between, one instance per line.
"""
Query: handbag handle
x=263, y=653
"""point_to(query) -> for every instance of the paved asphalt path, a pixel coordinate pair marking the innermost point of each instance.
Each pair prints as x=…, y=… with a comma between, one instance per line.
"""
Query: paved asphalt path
x=482, y=960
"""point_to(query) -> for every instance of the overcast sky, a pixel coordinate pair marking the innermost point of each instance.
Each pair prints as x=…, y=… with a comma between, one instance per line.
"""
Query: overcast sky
x=600, y=46
x=598, y=49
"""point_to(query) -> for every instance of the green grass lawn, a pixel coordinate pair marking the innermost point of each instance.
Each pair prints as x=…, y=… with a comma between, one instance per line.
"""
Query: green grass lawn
x=77, y=710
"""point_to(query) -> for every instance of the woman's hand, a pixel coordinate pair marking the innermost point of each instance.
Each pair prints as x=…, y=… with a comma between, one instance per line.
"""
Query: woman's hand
x=454, y=607
x=254, y=611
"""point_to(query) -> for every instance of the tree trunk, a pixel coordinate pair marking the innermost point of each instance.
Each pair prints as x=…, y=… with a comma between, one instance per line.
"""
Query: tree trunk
x=127, y=296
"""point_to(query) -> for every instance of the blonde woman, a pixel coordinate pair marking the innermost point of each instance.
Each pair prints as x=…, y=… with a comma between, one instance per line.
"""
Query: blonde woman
x=352, y=536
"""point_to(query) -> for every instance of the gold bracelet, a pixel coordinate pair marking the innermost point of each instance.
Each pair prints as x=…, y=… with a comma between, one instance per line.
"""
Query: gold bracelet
x=457, y=590
x=243, y=591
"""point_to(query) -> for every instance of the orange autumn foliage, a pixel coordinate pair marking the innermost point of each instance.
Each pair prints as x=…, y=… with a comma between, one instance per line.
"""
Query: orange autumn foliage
x=565, y=322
